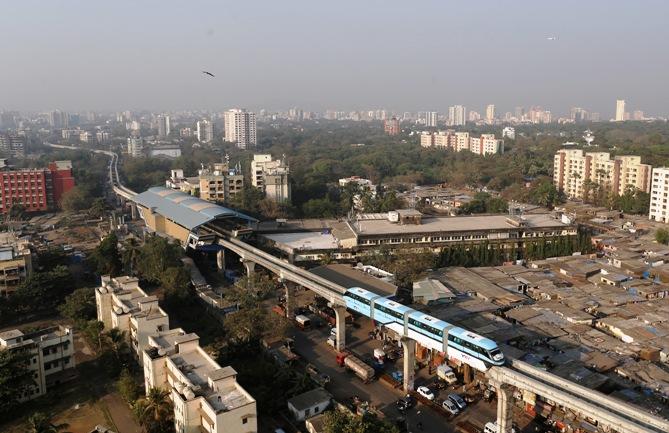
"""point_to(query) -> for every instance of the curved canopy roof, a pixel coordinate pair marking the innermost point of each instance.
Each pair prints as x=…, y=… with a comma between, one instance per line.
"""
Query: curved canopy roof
x=184, y=209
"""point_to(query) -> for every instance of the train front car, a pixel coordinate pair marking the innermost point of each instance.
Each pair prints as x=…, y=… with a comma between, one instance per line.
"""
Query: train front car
x=474, y=349
x=360, y=300
x=427, y=330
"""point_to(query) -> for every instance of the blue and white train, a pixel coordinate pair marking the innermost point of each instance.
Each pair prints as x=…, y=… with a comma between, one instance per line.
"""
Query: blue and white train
x=458, y=343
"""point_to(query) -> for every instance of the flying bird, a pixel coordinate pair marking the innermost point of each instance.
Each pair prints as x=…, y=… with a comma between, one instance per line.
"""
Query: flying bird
x=208, y=73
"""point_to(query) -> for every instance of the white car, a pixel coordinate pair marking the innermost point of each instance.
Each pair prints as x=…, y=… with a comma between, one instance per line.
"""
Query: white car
x=450, y=407
x=425, y=392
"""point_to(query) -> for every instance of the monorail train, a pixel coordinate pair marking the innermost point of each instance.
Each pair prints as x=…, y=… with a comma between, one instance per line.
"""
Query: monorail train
x=468, y=347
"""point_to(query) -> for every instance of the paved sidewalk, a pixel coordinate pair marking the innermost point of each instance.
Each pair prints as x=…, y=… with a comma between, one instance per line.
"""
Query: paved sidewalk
x=121, y=414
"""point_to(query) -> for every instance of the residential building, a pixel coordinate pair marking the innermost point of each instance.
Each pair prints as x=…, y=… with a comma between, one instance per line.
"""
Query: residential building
x=163, y=125
x=659, y=192
x=219, y=182
x=103, y=137
x=484, y=145
x=206, y=396
x=135, y=147
x=308, y=404
x=86, y=137
x=431, y=119
x=15, y=262
x=361, y=186
x=638, y=115
x=175, y=180
x=457, y=115
x=240, y=128
x=574, y=170
x=187, y=132
x=391, y=126
x=165, y=150
x=490, y=114
x=204, y=131
x=509, y=132
x=271, y=177
x=58, y=119
x=35, y=189
x=51, y=353
x=13, y=145
x=620, y=110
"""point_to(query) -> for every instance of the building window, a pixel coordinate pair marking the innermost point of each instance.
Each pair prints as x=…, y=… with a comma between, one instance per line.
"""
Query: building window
x=245, y=420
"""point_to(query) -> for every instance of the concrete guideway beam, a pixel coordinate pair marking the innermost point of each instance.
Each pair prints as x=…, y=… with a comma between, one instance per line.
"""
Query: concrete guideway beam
x=604, y=415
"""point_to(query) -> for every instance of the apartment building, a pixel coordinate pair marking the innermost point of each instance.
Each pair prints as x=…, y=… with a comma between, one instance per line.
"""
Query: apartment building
x=206, y=396
x=458, y=141
x=219, y=182
x=13, y=145
x=122, y=304
x=35, y=189
x=659, y=192
x=392, y=126
x=271, y=176
x=135, y=147
x=51, y=356
x=15, y=262
x=240, y=128
x=572, y=168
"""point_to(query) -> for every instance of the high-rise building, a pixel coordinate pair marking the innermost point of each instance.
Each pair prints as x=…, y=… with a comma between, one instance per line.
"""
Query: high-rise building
x=135, y=147
x=620, y=110
x=163, y=125
x=58, y=119
x=391, y=126
x=102, y=137
x=638, y=115
x=431, y=119
x=457, y=115
x=240, y=128
x=490, y=114
x=578, y=114
x=518, y=113
x=36, y=189
x=574, y=170
x=271, y=176
x=659, y=209
x=204, y=131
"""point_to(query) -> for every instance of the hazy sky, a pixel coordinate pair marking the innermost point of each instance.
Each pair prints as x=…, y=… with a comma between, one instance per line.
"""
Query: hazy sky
x=317, y=54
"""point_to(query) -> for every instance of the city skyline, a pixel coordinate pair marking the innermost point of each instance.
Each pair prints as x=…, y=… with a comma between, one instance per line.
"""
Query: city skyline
x=352, y=56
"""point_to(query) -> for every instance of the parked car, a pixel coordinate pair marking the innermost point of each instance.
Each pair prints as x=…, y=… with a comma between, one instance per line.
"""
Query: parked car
x=455, y=398
x=405, y=403
x=425, y=392
x=450, y=407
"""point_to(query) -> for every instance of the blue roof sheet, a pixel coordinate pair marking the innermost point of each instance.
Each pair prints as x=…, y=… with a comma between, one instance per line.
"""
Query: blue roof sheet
x=187, y=211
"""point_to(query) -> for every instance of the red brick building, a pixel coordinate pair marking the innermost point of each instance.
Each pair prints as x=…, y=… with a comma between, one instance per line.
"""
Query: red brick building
x=36, y=189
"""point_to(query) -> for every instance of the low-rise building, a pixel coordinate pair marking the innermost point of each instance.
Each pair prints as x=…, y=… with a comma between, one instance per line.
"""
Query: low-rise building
x=271, y=176
x=51, y=352
x=308, y=404
x=15, y=262
x=486, y=144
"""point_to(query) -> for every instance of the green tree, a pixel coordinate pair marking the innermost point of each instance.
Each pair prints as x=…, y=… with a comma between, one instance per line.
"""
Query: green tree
x=127, y=386
x=75, y=200
x=106, y=257
x=662, y=236
x=155, y=412
x=342, y=422
x=79, y=306
x=15, y=378
x=155, y=257
x=40, y=423
x=97, y=209
x=176, y=281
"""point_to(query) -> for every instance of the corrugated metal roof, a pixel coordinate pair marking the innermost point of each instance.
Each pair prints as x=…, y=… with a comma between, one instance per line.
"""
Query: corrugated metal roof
x=186, y=210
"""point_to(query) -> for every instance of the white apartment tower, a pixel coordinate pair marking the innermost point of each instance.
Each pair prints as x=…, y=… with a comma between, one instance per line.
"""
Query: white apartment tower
x=620, y=110
x=431, y=119
x=271, y=177
x=205, y=131
x=163, y=126
x=457, y=115
x=490, y=114
x=240, y=128
x=659, y=192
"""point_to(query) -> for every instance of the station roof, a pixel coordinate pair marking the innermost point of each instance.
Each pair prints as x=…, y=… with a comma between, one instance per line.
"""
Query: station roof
x=184, y=209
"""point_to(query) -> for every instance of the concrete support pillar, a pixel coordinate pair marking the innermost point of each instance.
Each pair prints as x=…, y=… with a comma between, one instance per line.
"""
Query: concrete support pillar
x=290, y=294
x=340, y=316
x=133, y=210
x=504, y=407
x=220, y=259
x=409, y=347
x=467, y=373
x=249, y=266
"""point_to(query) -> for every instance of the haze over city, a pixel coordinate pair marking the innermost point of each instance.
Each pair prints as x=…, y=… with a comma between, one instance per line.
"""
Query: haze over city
x=81, y=55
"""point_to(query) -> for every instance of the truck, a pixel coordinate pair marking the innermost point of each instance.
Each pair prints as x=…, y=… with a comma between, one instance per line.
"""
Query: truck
x=445, y=373
x=353, y=363
x=303, y=321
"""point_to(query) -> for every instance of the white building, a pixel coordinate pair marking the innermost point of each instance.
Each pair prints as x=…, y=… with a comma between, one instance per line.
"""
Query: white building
x=240, y=128
x=457, y=115
x=271, y=176
x=166, y=150
x=509, y=132
x=206, y=396
x=204, y=131
x=135, y=147
x=490, y=114
x=431, y=119
x=659, y=192
x=620, y=110
x=308, y=404
x=51, y=352
x=486, y=144
x=103, y=137
x=163, y=126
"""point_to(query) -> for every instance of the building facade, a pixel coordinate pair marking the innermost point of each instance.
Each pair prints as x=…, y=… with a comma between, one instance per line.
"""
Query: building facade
x=271, y=176
x=13, y=145
x=457, y=115
x=620, y=110
x=36, y=190
x=391, y=126
x=204, y=131
x=659, y=192
x=486, y=144
x=135, y=147
x=574, y=170
x=240, y=128
x=51, y=357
